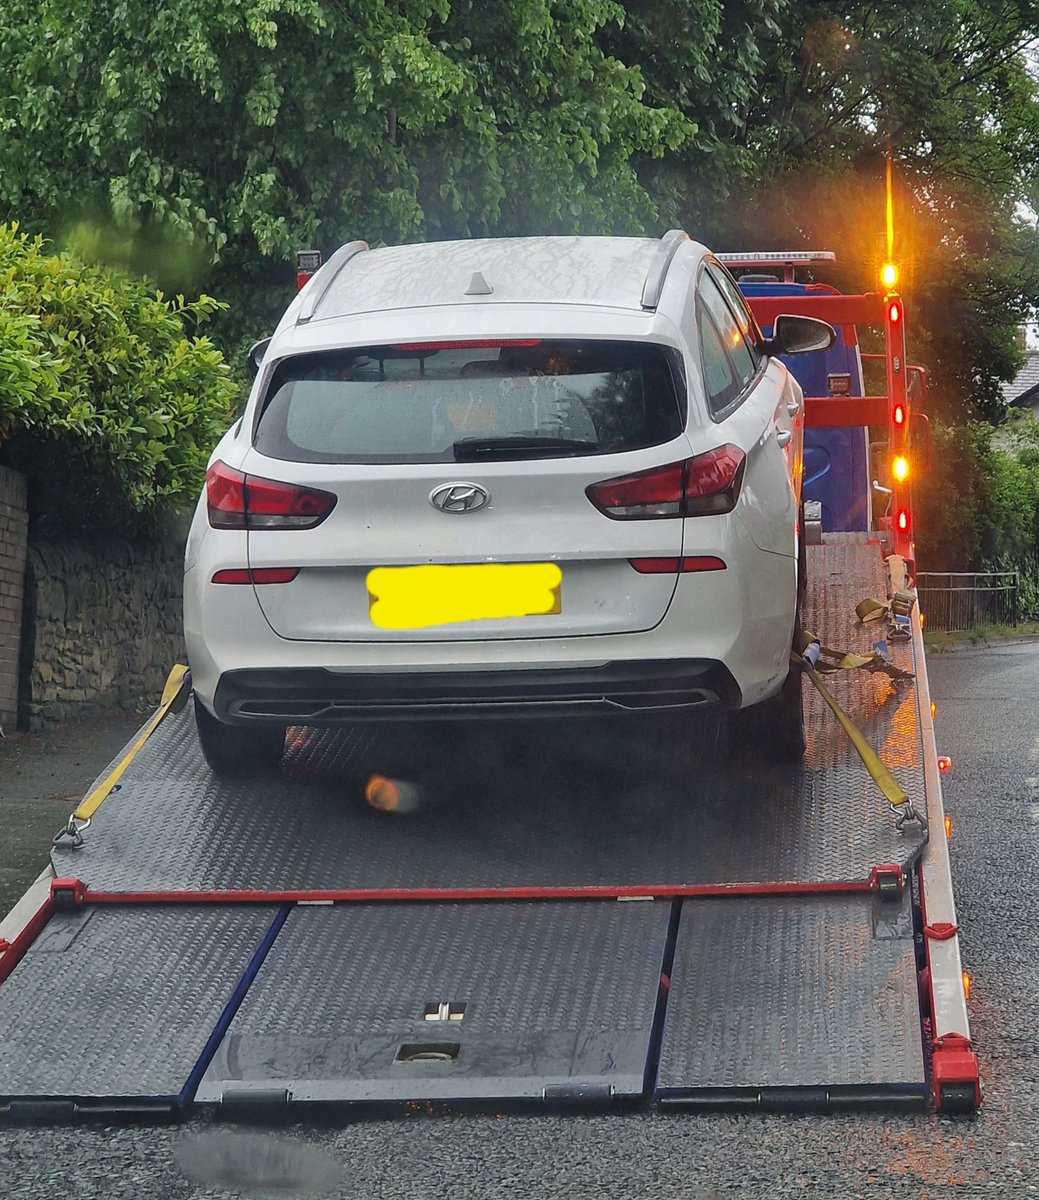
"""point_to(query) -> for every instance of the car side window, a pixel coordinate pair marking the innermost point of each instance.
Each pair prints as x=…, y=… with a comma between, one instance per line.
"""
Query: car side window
x=720, y=378
x=737, y=302
x=729, y=364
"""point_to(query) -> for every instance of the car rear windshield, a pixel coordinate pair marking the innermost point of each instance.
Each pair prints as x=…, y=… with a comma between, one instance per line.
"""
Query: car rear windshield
x=482, y=400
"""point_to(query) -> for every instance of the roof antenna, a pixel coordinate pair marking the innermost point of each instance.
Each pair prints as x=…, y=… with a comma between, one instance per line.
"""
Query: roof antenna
x=478, y=286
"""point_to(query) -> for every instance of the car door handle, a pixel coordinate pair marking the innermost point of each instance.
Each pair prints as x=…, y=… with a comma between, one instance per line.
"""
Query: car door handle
x=793, y=408
x=783, y=437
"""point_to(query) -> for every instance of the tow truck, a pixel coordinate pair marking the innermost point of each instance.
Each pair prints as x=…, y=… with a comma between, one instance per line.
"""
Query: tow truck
x=720, y=934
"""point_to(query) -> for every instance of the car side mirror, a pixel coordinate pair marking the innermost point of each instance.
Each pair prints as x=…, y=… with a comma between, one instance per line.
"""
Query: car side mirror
x=799, y=335
x=256, y=352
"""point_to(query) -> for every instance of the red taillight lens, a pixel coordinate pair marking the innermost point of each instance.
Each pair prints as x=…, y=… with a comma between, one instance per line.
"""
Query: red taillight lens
x=676, y=566
x=225, y=495
x=257, y=575
x=702, y=486
x=240, y=501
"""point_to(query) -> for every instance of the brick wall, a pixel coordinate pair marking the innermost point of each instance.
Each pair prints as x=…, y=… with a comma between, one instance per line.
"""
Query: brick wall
x=14, y=526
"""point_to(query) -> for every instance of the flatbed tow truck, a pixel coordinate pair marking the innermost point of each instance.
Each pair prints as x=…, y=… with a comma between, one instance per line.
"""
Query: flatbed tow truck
x=631, y=931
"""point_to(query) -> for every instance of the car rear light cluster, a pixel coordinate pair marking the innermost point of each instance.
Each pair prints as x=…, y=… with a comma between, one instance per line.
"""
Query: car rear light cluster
x=240, y=501
x=706, y=485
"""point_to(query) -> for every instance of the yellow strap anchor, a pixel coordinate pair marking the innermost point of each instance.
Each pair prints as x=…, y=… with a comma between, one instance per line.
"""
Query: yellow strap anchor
x=892, y=790
x=175, y=694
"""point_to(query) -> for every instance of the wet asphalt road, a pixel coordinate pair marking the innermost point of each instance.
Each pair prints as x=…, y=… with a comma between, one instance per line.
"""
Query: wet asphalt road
x=989, y=722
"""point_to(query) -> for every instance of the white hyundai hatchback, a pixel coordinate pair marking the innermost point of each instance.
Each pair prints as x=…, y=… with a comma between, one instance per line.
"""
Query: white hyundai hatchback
x=513, y=477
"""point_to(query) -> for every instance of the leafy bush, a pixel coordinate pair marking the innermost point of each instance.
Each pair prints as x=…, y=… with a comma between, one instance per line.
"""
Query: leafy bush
x=109, y=401
x=977, y=505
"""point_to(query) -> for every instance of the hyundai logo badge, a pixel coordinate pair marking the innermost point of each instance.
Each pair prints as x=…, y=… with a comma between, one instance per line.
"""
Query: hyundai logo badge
x=459, y=497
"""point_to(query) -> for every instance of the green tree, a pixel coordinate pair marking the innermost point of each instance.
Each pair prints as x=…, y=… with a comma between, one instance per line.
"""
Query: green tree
x=946, y=87
x=253, y=129
x=109, y=400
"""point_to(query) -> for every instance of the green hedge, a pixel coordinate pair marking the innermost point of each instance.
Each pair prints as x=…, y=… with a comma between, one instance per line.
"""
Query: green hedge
x=977, y=503
x=109, y=399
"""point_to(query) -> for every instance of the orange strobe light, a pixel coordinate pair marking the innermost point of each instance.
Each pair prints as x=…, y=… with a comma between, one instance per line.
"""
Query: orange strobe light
x=889, y=276
x=948, y=827
x=968, y=985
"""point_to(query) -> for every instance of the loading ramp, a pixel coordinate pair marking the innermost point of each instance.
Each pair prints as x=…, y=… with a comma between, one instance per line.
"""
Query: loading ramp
x=609, y=924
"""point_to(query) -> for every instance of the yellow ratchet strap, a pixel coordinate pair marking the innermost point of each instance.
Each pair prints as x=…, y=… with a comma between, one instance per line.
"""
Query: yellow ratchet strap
x=174, y=697
x=871, y=610
x=892, y=790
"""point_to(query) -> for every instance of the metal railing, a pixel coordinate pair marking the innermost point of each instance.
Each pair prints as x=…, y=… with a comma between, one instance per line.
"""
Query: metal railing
x=959, y=600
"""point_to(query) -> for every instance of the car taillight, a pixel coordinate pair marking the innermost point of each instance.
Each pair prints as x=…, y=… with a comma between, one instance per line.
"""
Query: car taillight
x=239, y=501
x=706, y=485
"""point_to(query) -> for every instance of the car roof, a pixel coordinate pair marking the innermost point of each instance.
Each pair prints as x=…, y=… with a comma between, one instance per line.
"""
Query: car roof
x=599, y=271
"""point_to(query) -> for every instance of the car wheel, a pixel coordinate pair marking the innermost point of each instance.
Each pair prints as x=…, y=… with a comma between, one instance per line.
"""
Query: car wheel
x=234, y=752
x=781, y=722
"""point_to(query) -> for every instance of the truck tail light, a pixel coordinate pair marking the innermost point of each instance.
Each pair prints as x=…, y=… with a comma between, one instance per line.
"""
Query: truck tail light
x=239, y=501
x=706, y=485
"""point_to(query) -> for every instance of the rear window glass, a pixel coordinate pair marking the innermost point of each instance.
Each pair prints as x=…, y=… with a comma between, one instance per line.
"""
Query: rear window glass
x=391, y=404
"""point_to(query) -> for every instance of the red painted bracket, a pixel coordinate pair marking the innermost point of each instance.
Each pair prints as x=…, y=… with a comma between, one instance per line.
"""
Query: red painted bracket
x=68, y=893
x=838, y=309
x=955, y=1065
x=842, y=412
x=941, y=931
x=888, y=879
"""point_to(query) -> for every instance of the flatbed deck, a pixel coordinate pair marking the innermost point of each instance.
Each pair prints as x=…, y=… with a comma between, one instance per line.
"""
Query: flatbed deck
x=605, y=920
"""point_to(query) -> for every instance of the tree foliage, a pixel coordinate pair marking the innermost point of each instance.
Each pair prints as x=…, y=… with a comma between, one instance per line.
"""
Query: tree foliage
x=205, y=141
x=253, y=129
x=946, y=88
x=108, y=399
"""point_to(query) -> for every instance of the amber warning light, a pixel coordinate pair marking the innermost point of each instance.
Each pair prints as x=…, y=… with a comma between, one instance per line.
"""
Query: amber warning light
x=889, y=276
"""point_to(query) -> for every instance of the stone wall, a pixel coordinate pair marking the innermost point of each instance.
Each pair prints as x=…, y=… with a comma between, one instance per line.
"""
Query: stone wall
x=14, y=524
x=104, y=625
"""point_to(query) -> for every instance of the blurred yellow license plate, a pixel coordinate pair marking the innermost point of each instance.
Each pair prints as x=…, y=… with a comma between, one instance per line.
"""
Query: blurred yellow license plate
x=418, y=597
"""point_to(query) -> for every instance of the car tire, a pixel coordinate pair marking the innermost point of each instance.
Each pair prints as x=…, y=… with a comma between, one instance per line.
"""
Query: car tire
x=781, y=722
x=233, y=752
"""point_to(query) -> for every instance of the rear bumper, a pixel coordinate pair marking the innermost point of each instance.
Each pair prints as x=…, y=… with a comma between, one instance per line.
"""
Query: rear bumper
x=314, y=696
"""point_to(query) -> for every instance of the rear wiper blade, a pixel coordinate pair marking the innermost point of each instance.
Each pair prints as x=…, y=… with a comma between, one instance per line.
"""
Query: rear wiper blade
x=468, y=449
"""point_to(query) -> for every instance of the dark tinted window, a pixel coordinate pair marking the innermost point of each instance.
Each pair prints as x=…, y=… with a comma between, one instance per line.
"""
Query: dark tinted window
x=729, y=363
x=738, y=304
x=720, y=377
x=547, y=399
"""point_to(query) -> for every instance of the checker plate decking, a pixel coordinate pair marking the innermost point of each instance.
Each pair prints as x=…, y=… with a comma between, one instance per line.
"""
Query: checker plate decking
x=576, y=804
x=819, y=996
x=117, y=1005
x=555, y=996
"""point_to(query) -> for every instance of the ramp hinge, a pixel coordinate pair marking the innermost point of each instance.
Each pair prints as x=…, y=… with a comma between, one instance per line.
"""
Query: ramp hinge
x=67, y=894
x=579, y=1093
x=255, y=1098
x=888, y=881
x=39, y=1110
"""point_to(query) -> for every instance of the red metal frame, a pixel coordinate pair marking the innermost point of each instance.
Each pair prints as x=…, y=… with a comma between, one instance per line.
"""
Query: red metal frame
x=74, y=892
x=870, y=308
x=14, y=951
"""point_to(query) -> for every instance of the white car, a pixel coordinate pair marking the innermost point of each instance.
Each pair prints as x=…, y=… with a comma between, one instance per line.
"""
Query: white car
x=525, y=476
